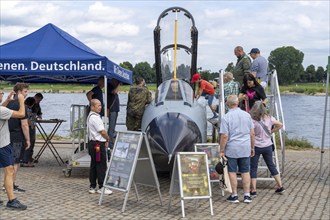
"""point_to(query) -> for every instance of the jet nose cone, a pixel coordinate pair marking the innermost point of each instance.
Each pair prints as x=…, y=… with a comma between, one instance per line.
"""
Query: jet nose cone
x=171, y=133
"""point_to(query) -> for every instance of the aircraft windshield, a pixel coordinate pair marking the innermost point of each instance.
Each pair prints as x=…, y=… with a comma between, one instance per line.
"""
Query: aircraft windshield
x=174, y=90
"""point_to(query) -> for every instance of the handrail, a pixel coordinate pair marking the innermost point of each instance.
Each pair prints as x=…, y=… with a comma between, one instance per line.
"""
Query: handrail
x=276, y=110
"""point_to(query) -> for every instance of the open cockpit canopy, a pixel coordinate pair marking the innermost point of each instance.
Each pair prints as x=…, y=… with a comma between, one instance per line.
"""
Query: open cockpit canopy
x=179, y=55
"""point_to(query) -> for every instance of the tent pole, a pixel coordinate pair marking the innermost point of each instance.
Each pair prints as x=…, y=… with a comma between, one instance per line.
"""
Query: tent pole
x=105, y=103
x=325, y=118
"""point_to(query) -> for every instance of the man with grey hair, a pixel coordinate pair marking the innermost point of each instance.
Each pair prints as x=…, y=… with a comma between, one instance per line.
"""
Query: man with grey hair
x=237, y=144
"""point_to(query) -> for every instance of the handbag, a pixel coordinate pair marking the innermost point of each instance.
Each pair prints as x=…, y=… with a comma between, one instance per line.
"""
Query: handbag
x=222, y=170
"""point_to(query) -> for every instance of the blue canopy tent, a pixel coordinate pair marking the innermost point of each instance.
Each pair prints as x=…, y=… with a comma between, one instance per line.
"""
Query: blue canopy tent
x=51, y=55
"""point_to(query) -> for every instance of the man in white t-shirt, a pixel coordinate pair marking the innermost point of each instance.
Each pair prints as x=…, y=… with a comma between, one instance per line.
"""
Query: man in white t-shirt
x=97, y=146
x=6, y=154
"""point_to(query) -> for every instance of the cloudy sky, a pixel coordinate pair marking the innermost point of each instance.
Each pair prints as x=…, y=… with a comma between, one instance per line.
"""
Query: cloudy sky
x=123, y=30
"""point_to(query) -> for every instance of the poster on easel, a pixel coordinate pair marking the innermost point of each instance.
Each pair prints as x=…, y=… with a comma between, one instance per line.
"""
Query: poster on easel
x=191, y=177
x=212, y=151
x=123, y=157
x=130, y=158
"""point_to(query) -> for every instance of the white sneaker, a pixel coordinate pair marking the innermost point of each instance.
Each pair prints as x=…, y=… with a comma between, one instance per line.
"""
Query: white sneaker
x=92, y=190
x=106, y=191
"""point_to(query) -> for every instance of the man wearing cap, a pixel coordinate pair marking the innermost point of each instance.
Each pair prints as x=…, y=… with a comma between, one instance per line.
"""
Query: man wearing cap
x=243, y=64
x=204, y=87
x=259, y=67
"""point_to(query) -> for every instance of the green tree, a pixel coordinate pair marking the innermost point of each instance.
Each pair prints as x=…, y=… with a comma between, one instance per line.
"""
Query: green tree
x=127, y=65
x=214, y=75
x=309, y=74
x=288, y=63
x=144, y=69
x=230, y=67
x=205, y=74
x=320, y=74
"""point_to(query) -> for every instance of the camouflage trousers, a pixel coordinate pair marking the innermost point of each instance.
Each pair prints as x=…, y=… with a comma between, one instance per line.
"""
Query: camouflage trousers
x=133, y=123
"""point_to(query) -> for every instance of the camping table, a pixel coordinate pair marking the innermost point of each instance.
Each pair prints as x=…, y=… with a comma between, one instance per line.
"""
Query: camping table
x=48, y=138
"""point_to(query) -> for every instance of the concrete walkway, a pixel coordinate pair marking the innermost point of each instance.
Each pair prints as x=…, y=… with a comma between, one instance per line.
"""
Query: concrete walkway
x=50, y=195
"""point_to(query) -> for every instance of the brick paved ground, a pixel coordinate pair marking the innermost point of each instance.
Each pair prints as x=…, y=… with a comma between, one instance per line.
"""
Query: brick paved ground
x=50, y=195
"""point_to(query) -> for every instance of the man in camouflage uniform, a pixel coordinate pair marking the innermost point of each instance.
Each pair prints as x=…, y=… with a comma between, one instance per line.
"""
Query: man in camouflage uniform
x=243, y=64
x=138, y=97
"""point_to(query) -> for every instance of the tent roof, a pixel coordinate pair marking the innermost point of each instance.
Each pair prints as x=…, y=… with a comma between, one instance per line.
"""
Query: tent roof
x=52, y=55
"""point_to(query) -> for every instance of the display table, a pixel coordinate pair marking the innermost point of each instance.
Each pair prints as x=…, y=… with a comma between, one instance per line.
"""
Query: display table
x=48, y=138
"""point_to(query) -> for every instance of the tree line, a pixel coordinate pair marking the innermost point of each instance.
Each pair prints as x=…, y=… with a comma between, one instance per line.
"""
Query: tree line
x=286, y=60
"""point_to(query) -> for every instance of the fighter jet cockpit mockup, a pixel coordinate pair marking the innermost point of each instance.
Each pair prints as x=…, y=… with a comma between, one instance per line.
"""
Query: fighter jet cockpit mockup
x=174, y=122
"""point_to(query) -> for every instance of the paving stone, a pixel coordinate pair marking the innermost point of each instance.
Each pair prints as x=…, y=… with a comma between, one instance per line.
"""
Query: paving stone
x=50, y=195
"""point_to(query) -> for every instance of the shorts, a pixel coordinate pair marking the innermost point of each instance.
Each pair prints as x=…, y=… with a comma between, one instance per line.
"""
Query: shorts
x=6, y=156
x=209, y=98
x=18, y=151
x=242, y=163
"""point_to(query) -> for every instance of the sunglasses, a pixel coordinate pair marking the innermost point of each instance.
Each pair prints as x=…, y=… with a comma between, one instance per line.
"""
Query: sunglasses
x=2, y=93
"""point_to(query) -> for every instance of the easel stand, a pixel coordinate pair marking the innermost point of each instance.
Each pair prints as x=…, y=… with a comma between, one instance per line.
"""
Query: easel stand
x=131, y=162
x=191, y=178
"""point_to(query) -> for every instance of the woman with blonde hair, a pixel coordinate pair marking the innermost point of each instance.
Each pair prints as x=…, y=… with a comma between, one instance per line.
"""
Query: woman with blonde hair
x=264, y=126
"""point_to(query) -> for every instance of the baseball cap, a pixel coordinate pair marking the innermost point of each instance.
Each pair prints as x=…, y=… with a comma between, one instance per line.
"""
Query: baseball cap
x=195, y=77
x=254, y=50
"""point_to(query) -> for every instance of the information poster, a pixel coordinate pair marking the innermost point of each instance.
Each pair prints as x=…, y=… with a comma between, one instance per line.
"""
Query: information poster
x=212, y=151
x=122, y=160
x=194, y=175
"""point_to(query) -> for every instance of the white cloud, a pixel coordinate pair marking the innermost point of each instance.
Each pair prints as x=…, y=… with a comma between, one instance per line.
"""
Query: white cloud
x=110, y=47
x=313, y=3
x=100, y=12
x=108, y=29
x=303, y=21
x=222, y=13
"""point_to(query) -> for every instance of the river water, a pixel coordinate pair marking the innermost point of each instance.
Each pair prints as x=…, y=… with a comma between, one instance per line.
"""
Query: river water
x=303, y=114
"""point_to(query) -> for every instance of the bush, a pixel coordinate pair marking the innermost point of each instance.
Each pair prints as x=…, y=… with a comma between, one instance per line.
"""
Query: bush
x=295, y=143
x=297, y=90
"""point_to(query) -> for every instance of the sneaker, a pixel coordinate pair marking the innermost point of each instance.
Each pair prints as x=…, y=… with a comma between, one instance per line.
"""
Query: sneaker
x=280, y=190
x=233, y=199
x=18, y=190
x=27, y=165
x=106, y=191
x=253, y=194
x=92, y=190
x=247, y=199
x=15, y=204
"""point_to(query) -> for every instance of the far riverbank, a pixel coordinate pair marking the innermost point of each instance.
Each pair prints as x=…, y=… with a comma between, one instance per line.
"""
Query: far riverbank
x=317, y=89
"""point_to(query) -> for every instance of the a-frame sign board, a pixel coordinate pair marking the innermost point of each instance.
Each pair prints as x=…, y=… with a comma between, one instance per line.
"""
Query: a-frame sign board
x=190, y=178
x=131, y=162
